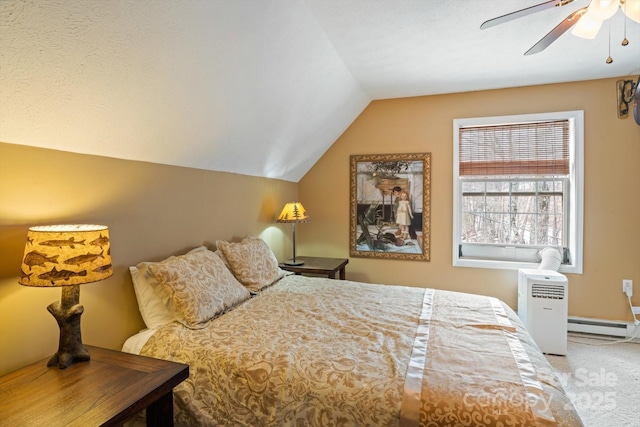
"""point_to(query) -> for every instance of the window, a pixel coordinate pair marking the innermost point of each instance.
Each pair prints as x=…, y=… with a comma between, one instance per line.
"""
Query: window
x=518, y=188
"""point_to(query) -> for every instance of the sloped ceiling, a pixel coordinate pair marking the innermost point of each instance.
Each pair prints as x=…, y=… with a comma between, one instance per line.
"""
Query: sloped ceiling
x=262, y=87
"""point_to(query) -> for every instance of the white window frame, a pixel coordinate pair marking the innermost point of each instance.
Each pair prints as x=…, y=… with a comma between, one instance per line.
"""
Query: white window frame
x=575, y=201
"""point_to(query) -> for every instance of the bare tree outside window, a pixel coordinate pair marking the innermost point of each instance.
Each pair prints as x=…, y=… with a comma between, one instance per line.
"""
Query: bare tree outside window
x=521, y=212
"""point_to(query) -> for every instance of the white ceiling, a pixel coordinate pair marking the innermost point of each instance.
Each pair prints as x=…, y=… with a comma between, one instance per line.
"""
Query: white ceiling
x=262, y=87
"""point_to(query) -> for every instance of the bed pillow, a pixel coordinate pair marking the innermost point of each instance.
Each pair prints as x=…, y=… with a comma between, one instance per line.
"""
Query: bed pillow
x=198, y=287
x=153, y=310
x=252, y=262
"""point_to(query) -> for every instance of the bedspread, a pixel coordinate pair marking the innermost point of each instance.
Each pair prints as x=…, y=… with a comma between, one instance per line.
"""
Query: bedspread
x=320, y=352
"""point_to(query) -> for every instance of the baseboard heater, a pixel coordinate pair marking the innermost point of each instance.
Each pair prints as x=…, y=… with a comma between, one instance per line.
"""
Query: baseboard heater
x=601, y=327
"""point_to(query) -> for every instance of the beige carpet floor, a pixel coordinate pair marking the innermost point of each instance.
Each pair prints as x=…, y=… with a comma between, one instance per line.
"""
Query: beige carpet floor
x=602, y=378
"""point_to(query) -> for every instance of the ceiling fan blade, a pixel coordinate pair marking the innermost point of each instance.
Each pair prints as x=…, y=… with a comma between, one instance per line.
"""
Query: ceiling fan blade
x=523, y=12
x=559, y=30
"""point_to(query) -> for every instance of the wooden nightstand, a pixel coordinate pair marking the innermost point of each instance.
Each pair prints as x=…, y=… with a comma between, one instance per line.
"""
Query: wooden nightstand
x=107, y=390
x=323, y=266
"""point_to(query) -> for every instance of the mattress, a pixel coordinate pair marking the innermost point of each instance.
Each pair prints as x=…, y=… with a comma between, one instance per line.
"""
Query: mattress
x=311, y=351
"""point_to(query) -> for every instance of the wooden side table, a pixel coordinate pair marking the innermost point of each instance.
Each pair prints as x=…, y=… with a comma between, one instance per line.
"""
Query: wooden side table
x=107, y=390
x=323, y=266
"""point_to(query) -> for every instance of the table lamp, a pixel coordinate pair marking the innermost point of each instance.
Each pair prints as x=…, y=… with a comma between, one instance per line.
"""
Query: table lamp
x=67, y=256
x=293, y=213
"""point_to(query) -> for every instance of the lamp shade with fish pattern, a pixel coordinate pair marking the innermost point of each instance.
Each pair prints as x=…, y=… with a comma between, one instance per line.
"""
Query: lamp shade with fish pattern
x=64, y=255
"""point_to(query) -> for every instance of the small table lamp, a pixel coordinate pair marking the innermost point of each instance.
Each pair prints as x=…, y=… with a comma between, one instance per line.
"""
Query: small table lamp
x=67, y=256
x=294, y=213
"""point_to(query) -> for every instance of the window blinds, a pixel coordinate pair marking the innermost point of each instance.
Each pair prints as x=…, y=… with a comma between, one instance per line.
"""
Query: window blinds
x=536, y=148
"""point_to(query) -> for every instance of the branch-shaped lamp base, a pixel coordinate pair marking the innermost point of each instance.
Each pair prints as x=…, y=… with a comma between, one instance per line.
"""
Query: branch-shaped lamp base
x=67, y=313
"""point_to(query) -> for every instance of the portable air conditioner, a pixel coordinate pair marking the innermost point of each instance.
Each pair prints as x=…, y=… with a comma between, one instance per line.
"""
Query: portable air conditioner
x=543, y=308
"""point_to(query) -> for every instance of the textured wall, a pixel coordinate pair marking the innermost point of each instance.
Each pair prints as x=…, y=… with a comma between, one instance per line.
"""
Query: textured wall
x=175, y=82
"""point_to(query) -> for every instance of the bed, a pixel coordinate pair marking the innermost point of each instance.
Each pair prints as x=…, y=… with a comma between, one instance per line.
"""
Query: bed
x=285, y=350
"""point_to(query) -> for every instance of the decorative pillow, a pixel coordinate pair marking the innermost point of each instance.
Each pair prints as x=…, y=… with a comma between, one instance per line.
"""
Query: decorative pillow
x=153, y=310
x=198, y=287
x=252, y=262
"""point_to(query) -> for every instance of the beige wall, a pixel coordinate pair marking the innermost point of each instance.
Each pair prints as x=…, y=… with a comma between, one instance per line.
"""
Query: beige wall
x=424, y=124
x=153, y=211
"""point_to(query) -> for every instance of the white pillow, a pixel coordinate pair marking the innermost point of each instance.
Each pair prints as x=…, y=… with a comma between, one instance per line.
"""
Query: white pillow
x=154, y=311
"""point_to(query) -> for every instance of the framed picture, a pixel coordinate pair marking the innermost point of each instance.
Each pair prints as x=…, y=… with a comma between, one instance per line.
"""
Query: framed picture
x=390, y=206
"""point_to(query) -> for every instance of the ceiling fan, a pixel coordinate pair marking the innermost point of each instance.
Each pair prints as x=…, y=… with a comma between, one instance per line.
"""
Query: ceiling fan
x=588, y=18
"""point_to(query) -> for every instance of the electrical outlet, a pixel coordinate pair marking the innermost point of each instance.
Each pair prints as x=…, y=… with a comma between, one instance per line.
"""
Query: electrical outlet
x=636, y=310
x=627, y=287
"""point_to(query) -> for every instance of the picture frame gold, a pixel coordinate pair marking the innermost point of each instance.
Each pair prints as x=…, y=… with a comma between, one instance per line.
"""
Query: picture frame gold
x=376, y=228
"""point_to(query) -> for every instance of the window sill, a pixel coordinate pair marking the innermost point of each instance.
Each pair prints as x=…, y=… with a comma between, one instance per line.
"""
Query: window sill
x=510, y=265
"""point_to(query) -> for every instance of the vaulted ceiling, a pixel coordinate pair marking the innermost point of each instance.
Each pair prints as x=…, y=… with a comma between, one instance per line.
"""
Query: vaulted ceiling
x=262, y=87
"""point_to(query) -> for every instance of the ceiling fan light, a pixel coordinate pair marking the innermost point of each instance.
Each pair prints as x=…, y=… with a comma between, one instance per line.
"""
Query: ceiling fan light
x=631, y=8
x=587, y=27
x=603, y=9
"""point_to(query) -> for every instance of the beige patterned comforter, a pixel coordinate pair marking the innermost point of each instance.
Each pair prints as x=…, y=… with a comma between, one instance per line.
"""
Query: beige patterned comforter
x=320, y=352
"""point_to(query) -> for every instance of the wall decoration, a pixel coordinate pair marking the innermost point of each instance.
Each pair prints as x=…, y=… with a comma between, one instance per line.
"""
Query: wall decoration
x=390, y=206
